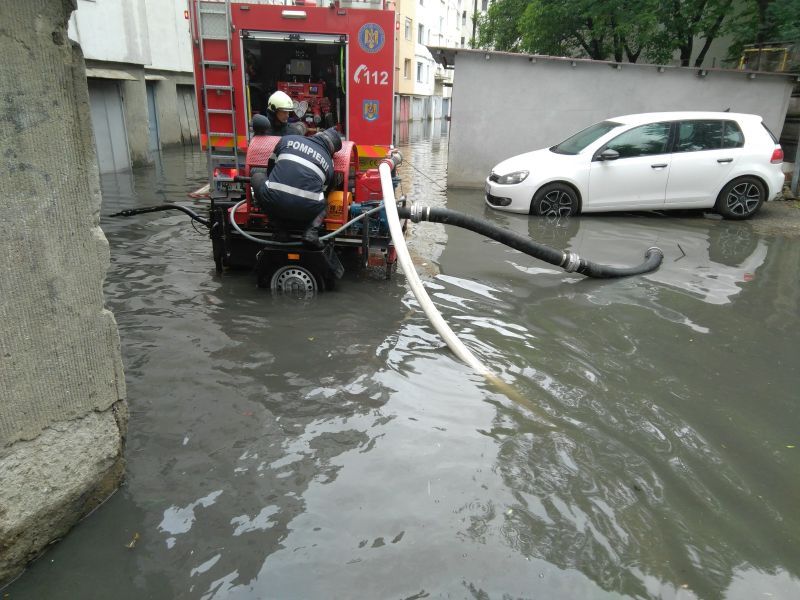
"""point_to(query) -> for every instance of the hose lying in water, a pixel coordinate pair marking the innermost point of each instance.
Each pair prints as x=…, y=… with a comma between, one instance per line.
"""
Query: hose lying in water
x=566, y=260
x=569, y=261
x=140, y=211
x=404, y=258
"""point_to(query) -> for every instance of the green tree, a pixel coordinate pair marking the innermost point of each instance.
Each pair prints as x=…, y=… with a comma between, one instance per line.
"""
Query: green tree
x=765, y=21
x=614, y=29
x=500, y=27
x=598, y=29
x=783, y=19
x=683, y=22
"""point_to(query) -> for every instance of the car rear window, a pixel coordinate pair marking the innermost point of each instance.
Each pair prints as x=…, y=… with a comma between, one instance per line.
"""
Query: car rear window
x=710, y=134
x=579, y=141
x=732, y=136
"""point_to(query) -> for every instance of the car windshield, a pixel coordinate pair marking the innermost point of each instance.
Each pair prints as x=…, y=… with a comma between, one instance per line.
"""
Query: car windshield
x=579, y=141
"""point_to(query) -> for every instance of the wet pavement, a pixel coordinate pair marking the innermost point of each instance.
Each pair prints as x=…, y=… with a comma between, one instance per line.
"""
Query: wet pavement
x=336, y=449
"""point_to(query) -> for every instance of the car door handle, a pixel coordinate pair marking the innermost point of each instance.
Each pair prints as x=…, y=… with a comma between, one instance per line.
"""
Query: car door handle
x=724, y=160
x=658, y=166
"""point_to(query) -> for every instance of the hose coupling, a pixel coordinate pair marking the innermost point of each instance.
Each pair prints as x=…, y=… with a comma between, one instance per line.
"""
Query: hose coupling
x=571, y=262
x=419, y=212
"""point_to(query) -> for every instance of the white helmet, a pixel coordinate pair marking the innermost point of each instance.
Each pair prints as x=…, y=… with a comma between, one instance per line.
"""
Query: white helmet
x=280, y=101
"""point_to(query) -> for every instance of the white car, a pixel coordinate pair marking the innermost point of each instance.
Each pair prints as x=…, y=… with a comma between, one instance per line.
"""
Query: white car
x=727, y=161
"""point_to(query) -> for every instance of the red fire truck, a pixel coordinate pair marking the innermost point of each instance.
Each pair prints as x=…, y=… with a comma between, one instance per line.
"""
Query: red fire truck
x=336, y=61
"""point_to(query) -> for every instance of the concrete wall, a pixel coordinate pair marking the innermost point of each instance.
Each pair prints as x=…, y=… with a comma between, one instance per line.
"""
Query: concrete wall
x=506, y=104
x=144, y=39
x=134, y=102
x=168, y=104
x=168, y=35
x=111, y=31
x=62, y=389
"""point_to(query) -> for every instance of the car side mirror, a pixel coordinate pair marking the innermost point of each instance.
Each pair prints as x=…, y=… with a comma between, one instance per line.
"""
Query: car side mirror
x=608, y=154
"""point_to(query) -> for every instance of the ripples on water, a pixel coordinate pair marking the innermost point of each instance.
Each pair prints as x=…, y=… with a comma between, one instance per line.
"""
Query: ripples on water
x=335, y=449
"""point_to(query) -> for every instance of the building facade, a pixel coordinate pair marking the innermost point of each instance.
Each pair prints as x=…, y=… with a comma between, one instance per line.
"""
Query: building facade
x=422, y=86
x=139, y=69
x=139, y=74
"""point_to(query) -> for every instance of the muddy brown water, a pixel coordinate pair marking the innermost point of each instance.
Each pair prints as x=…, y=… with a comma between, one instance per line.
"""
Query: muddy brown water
x=336, y=449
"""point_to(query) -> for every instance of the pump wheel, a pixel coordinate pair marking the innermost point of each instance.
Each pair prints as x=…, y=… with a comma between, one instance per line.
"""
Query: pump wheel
x=555, y=200
x=295, y=281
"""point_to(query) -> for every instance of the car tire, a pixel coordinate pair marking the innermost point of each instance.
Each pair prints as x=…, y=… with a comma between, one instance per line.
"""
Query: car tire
x=555, y=200
x=741, y=198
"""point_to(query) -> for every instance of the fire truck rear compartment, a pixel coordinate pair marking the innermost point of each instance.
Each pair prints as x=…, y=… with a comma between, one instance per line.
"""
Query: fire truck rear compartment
x=308, y=71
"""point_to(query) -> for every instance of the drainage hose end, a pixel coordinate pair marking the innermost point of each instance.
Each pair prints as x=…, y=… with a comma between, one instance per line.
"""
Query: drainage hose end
x=654, y=249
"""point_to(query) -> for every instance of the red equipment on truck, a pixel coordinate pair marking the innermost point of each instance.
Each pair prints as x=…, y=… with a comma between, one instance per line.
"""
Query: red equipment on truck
x=336, y=62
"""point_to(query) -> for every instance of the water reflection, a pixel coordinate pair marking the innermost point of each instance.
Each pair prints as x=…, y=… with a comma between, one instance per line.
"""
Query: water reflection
x=646, y=468
x=407, y=133
x=707, y=259
x=336, y=449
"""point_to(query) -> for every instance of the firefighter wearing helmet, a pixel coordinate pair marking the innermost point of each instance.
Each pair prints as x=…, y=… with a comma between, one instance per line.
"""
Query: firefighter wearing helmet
x=276, y=121
x=294, y=194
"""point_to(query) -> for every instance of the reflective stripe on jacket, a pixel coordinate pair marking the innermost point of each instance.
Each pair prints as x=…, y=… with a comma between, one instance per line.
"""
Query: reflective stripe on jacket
x=303, y=168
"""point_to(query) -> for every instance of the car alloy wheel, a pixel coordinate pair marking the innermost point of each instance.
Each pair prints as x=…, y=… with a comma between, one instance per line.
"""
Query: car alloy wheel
x=555, y=200
x=741, y=198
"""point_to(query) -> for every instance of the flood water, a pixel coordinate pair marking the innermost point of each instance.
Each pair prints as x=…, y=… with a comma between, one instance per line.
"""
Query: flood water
x=647, y=444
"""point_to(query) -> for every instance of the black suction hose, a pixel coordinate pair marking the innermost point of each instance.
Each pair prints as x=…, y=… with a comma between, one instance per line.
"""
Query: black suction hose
x=140, y=211
x=569, y=261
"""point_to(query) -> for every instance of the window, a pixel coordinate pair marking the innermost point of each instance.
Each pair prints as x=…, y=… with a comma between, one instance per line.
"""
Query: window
x=464, y=19
x=699, y=135
x=484, y=5
x=732, y=137
x=408, y=29
x=694, y=136
x=645, y=140
x=419, y=72
x=579, y=141
x=462, y=41
x=421, y=34
x=407, y=68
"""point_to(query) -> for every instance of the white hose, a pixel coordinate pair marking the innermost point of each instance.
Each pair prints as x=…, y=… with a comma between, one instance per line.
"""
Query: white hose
x=456, y=345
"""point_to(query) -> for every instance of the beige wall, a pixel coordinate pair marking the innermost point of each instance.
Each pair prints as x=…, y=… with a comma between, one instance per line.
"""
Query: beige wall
x=406, y=9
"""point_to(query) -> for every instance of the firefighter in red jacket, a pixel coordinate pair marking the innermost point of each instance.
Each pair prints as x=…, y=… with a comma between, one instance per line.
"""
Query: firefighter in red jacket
x=294, y=193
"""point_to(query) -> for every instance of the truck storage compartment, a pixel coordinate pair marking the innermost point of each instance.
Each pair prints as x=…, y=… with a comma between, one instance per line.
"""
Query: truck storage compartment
x=310, y=68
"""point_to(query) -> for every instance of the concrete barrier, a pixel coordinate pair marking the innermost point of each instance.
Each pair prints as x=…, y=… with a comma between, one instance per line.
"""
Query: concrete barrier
x=505, y=104
x=62, y=388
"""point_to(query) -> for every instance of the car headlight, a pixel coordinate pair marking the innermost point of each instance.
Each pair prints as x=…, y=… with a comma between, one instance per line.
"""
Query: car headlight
x=511, y=178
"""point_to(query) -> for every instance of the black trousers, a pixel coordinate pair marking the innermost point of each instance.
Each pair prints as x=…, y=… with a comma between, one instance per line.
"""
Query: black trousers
x=290, y=212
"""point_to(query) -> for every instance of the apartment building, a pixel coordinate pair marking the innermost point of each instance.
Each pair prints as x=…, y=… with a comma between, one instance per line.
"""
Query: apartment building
x=139, y=73
x=422, y=86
